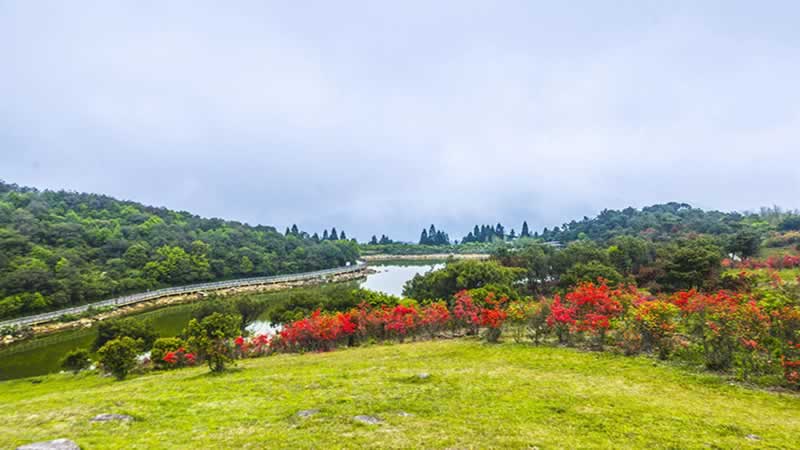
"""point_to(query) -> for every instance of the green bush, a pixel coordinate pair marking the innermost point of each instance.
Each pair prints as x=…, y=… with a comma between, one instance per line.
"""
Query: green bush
x=210, y=338
x=76, y=360
x=118, y=356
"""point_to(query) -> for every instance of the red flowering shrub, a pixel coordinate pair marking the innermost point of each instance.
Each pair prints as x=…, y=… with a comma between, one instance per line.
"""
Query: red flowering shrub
x=493, y=318
x=318, y=332
x=656, y=321
x=587, y=308
x=434, y=318
x=401, y=321
x=466, y=312
x=179, y=358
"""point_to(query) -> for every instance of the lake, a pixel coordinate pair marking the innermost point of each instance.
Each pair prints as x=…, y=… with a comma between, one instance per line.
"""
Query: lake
x=43, y=355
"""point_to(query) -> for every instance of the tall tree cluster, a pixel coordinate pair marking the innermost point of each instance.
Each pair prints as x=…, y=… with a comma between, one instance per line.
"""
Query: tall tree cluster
x=432, y=236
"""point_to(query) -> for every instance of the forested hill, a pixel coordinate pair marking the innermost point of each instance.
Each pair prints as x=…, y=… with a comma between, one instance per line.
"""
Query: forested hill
x=63, y=248
x=668, y=221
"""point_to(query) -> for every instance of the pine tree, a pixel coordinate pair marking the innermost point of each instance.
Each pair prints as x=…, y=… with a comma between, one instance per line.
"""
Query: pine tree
x=324, y=235
x=374, y=240
x=315, y=237
x=512, y=235
x=295, y=230
x=287, y=232
x=525, y=232
x=334, y=235
x=476, y=234
x=342, y=236
x=423, y=238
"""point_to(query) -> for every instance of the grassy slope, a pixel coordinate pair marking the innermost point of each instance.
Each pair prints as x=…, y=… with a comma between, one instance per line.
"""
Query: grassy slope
x=477, y=396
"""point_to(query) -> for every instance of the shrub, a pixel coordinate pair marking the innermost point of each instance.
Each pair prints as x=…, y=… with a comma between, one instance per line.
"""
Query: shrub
x=76, y=360
x=210, y=339
x=118, y=356
x=656, y=321
x=161, y=347
x=587, y=308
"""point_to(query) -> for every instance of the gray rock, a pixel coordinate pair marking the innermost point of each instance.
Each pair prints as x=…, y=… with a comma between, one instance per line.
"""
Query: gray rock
x=404, y=414
x=753, y=437
x=111, y=417
x=423, y=376
x=307, y=412
x=369, y=420
x=58, y=444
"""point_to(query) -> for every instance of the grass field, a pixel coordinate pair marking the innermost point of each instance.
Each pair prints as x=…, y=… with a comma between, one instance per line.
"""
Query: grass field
x=477, y=396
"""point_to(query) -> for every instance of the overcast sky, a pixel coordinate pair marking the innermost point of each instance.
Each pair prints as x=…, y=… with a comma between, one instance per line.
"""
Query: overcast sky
x=383, y=117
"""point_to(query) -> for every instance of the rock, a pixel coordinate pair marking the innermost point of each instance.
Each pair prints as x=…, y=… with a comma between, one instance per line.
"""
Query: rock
x=753, y=437
x=423, y=375
x=111, y=417
x=58, y=444
x=307, y=412
x=369, y=420
x=404, y=414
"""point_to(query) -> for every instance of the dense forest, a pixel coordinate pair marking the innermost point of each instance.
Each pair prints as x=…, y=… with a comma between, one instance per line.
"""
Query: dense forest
x=59, y=249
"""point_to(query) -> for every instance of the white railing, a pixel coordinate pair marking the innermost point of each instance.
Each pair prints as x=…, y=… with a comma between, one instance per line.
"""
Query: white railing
x=192, y=288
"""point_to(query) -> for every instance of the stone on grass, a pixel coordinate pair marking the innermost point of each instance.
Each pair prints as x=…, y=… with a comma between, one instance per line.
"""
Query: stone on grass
x=307, y=412
x=58, y=444
x=369, y=420
x=423, y=376
x=753, y=437
x=111, y=417
x=404, y=414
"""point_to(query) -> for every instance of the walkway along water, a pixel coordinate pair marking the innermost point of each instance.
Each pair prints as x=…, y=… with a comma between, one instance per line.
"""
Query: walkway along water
x=182, y=290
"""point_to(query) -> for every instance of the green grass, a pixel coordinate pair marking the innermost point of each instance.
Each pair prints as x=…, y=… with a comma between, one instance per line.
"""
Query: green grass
x=477, y=396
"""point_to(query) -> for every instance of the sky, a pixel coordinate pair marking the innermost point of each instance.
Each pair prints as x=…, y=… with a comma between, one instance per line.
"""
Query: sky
x=384, y=117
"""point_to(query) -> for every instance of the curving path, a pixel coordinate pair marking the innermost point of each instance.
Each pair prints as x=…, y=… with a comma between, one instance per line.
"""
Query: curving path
x=192, y=288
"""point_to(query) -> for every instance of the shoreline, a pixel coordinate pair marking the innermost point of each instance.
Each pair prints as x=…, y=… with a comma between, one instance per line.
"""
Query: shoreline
x=48, y=328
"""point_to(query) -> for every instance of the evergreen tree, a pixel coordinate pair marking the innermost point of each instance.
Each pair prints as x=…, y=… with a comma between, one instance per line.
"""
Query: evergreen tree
x=476, y=234
x=374, y=240
x=525, y=232
x=334, y=235
x=295, y=230
x=423, y=238
x=512, y=235
x=315, y=237
x=432, y=232
x=287, y=232
x=325, y=235
x=342, y=236
x=500, y=232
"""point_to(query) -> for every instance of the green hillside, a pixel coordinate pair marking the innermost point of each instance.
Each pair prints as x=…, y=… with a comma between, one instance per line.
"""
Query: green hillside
x=59, y=249
x=476, y=396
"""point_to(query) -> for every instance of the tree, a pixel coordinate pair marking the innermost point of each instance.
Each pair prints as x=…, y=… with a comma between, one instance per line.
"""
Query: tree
x=342, y=236
x=374, y=240
x=140, y=331
x=76, y=360
x=118, y=356
x=790, y=223
x=745, y=243
x=694, y=263
x=512, y=235
x=245, y=265
x=295, y=230
x=334, y=236
x=500, y=231
x=210, y=338
x=423, y=238
x=525, y=232
x=325, y=235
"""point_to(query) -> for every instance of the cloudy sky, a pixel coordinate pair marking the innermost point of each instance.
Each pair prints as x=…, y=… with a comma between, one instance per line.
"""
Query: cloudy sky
x=383, y=117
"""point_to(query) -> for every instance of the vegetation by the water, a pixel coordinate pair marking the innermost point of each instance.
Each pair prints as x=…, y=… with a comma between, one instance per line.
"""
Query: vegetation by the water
x=63, y=248
x=474, y=396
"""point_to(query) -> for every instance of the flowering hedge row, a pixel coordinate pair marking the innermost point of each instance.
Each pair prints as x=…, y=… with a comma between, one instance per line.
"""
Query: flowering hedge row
x=755, y=333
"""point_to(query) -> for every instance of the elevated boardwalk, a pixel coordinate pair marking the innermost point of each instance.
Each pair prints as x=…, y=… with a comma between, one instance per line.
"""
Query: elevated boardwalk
x=190, y=289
